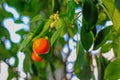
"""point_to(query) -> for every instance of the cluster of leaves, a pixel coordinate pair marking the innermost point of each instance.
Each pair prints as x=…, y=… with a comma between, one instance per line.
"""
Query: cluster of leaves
x=95, y=13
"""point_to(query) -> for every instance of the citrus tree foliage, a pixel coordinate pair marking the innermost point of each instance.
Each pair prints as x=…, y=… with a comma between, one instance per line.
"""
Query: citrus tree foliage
x=52, y=19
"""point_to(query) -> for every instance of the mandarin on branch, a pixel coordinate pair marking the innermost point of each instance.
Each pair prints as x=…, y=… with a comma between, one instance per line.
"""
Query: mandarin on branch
x=41, y=46
x=36, y=57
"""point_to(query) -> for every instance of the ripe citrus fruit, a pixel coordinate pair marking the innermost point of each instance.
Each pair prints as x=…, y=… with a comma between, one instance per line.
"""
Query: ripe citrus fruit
x=41, y=46
x=36, y=57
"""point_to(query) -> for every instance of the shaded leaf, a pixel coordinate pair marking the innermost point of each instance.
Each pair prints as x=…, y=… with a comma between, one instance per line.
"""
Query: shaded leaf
x=35, y=71
x=56, y=5
x=90, y=15
x=94, y=31
x=40, y=70
x=101, y=65
x=112, y=71
x=86, y=38
x=102, y=37
x=85, y=73
x=117, y=3
x=47, y=57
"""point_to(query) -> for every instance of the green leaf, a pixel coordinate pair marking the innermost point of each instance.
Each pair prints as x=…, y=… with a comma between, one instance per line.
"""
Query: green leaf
x=39, y=70
x=44, y=29
x=53, y=4
x=39, y=28
x=27, y=63
x=72, y=31
x=101, y=17
x=80, y=56
x=31, y=35
x=101, y=65
x=86, y=38
x=109, y=7
x=116, y=42
x=26, y=41
x=85, y=73
x=102, y=37
x=116, y=19
x=112, y=71
x=59, y=23
x=90, y=15
x=36, y=18
x=106, y=47
x=71, y=9
x=56, y=35
x=112, y=12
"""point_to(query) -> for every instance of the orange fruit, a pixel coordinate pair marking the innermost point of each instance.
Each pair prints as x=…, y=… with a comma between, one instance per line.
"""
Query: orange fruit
x=41, y=46
x=36, y=57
